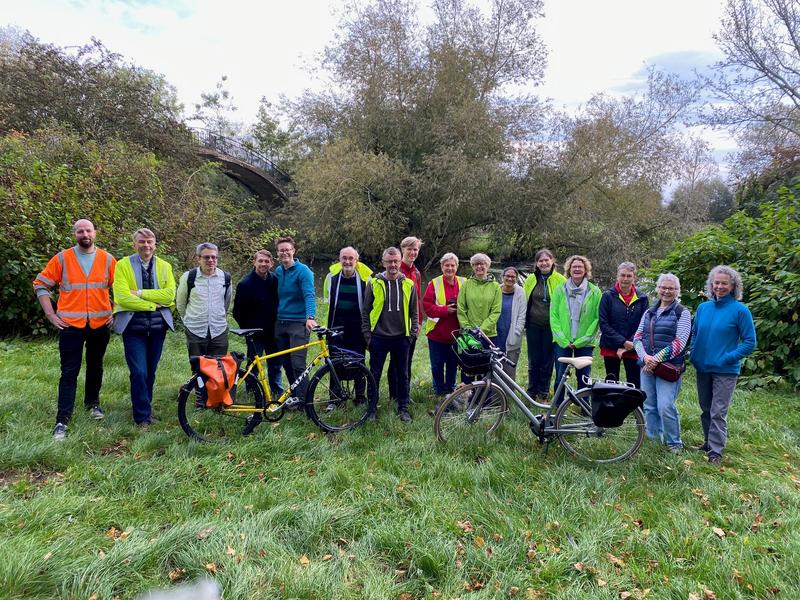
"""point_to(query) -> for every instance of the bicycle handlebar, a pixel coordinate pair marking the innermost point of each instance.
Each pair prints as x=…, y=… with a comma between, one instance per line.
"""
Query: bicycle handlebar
x=324, y=331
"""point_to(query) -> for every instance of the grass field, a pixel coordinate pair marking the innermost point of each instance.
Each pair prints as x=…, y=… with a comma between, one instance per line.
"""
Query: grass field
x=384, y=511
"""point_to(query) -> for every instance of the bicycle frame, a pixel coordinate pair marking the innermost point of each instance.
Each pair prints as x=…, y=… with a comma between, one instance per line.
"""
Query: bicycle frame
x=514, y=391
x=259, y=363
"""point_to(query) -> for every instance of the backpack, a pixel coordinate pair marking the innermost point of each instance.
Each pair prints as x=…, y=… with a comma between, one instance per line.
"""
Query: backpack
x=190, y=279
x=219, y=376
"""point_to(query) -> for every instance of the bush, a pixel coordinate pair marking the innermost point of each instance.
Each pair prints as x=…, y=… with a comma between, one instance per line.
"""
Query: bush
x=765, y=249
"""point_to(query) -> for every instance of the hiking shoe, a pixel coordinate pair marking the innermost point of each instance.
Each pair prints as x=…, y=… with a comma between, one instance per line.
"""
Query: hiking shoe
x=251, y=423
x=404, y=415
x=714, y=459
x=675, y=449
x=59, y=432
x=97, y=413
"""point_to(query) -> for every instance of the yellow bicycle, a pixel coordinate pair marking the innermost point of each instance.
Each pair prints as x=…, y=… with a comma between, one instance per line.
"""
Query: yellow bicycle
x=340, y=395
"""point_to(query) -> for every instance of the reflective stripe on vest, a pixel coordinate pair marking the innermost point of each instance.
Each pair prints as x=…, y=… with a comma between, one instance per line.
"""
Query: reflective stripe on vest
x=378, y=295
x=440, y=298
x=84, y=298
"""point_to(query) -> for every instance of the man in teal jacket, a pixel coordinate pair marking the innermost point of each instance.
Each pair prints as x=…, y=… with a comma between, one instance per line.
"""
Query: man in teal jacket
x=144, y=293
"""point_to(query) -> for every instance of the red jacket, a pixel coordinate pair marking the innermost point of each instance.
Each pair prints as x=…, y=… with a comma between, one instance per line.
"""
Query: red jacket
x=447, y=323
x=414, y=275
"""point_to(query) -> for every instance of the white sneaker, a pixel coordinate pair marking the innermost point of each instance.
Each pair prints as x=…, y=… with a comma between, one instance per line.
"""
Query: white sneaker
x=60, y=432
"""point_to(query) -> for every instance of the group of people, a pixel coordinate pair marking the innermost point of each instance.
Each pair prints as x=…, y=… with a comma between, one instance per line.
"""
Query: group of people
x=381, y=314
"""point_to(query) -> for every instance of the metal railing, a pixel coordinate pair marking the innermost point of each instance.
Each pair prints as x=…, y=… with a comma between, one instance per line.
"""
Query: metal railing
x=240, y=150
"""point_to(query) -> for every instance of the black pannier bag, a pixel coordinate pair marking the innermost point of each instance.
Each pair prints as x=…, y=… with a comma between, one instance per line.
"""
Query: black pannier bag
x=613, y=402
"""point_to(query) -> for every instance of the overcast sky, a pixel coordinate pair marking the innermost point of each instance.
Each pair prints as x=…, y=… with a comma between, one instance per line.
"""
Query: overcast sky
x=264, y=47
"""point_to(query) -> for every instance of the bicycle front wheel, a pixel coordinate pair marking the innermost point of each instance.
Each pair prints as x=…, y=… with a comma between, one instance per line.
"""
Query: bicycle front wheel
x=341, y=395
x=583, y=439
x=470, y=413
x=223, y=423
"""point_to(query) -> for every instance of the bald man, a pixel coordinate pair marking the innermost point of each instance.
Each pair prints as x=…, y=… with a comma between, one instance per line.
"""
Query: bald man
x=84, y=275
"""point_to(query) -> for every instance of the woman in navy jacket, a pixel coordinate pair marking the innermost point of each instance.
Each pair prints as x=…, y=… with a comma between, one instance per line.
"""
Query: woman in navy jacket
x=621, y=309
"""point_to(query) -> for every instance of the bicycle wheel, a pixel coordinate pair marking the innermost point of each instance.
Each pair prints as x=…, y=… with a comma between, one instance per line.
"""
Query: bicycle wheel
x=342, y=397
x=472, y=411
x=585, y=440
x=219, y=424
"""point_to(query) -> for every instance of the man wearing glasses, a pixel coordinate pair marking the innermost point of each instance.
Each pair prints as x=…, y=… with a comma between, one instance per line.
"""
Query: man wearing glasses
x=203, y=298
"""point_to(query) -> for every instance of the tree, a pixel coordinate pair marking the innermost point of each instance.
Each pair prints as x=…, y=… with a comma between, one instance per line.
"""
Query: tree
x=431, y=104
x=757, y=84
x=267, y=136
x=91, y=90
x=215, y=110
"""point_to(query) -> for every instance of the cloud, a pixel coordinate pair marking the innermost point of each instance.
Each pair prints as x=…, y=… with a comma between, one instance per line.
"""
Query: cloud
x=683, y=63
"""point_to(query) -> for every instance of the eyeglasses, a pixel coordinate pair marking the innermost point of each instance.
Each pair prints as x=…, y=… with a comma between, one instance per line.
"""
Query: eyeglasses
x=208, y=257
x=289, y=251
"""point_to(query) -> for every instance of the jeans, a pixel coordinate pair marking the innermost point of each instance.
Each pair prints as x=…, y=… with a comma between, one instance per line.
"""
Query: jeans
x=661, y=419
x=142, y=353
x=397, y=349
x=632, y=370
x=289, y=334
x=444, y=366
x=541, y=352
x=256, y=347
x=715, y=393
x=393, y=377
x=561, y=367
x=70, y=346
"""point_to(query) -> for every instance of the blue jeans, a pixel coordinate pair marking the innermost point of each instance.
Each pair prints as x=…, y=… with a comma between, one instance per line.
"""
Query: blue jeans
x=397, y=349
x=142, y=353
x=561, y=367
x=444, y=366
x=274, y=365
x=661, y=418
x=540, y=359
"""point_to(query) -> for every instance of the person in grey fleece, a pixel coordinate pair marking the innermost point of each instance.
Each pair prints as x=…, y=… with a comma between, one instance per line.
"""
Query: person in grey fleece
x=389, y=321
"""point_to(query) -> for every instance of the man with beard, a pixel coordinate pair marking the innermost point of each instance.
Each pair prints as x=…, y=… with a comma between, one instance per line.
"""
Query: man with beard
x=83, y=274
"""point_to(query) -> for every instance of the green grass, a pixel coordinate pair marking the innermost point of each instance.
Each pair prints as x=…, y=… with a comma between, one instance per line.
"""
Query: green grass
x=384, y=511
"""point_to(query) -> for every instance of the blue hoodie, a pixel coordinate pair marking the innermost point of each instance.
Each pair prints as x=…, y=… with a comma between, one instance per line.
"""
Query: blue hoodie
x=723, y=334
x=296, y=296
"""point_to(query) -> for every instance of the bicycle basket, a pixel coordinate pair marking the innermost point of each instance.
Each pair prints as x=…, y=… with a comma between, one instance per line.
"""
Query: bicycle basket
x=472, y=356
x=612, y=403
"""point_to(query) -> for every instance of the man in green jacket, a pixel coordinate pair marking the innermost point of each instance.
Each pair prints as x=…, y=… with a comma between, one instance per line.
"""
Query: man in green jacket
x=575, y=317
x=144, y=293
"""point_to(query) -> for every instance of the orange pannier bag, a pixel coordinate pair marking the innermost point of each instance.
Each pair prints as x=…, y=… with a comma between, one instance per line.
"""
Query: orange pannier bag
x=219, y=376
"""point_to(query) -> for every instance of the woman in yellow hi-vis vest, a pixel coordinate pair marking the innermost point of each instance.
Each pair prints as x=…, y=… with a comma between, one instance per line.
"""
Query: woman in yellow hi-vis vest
x=439, y=303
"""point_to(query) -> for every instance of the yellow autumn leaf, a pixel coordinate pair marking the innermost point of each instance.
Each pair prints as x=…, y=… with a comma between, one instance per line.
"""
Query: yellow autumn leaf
x=304, y=560
x=479, y=541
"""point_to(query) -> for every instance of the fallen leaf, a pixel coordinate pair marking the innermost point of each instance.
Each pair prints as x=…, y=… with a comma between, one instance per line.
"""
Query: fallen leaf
x=709, y=595
x=304, y=561
x=47, y=556
x=578, y=566
x=757, y=522
x=466, y=526
x=312, y=435
x=718, y=532
x=327, y=557
x=230, y=551
x=738, y=576
x=204, y=533
x=124, y=535
x=602, y=582
x=479, y=541
x=615, y=561
x=93, y=596
x=405, y=596
x=513, y=590
x=624, y=595
x=211, y=568
x=101, y=555
x=694, y=596
x=112, y=533
x=497, y=537
x=176, y=574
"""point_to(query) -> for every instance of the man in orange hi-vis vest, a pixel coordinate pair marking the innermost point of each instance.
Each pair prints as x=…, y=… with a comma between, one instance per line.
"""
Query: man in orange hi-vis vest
x=84, y=275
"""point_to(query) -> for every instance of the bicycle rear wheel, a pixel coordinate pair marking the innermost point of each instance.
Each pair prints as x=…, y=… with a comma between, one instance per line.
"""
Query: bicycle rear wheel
x=342, y=397
x=219, y=424
x=470, y=413
x=583, y=439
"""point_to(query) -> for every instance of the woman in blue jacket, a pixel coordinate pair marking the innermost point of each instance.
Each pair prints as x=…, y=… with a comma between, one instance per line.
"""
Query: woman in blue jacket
x=723, y=334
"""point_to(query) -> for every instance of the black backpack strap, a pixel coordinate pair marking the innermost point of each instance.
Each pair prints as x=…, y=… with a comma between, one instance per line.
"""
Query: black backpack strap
x=190, y=279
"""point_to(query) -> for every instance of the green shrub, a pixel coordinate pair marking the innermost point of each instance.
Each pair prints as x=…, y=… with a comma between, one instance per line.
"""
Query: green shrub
x=765, y=249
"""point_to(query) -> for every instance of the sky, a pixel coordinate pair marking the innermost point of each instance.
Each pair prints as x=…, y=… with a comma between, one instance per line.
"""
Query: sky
x=266, y=47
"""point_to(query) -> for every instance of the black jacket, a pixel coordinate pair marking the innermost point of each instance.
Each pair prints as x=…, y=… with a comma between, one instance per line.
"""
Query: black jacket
x=617, y=321
x=256, y=304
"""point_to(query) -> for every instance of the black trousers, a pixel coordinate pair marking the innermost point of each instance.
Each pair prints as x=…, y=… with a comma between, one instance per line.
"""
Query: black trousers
x=71, y=342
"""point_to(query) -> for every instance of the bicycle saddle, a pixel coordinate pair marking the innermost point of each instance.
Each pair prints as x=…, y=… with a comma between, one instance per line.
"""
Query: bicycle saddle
x=246, y=332
x=579, y=362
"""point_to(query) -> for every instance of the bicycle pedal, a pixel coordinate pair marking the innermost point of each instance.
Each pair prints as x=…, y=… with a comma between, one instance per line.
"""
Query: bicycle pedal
x=292, y=403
